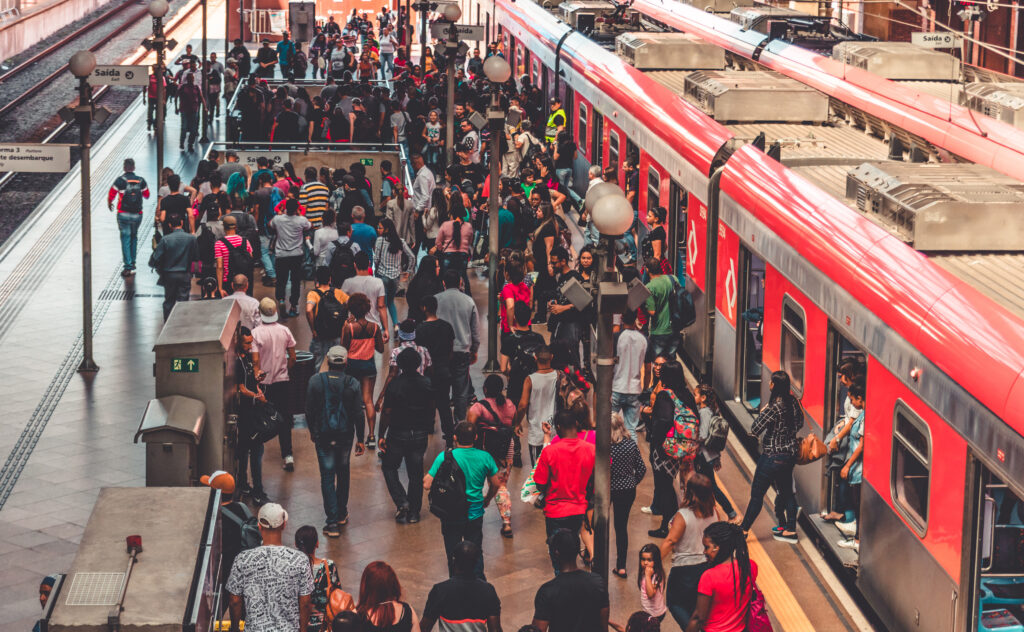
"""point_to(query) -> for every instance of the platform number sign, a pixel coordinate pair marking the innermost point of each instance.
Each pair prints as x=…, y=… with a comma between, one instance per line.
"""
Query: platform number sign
x=184, y=365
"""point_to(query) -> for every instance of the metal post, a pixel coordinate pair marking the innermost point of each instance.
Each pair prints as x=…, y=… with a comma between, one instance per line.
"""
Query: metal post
x=203, y=138
x=603, y=411
x=241, y=26
x=496, y=118
x=161, y=105
x=451, y=50
x=84, y=115
x=423, y=40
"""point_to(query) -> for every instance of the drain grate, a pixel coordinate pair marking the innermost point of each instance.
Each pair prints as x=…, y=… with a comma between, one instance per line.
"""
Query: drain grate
x=117, y=295
x=95, y=589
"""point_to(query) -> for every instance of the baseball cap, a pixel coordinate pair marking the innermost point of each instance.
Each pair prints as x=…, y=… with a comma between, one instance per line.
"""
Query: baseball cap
x=219, y=480
x=268, y=310
x=229, y=220
x=272, y=516
x=337, y=355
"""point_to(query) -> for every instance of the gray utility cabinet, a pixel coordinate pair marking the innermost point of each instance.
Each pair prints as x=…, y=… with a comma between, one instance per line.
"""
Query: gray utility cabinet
x=171, y=428
x=195, y=357
x=301, y=20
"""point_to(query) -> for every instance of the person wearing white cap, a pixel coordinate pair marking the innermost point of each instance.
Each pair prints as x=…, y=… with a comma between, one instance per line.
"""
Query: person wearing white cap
x=335, y=416
x=273, y=582
x=273, y=354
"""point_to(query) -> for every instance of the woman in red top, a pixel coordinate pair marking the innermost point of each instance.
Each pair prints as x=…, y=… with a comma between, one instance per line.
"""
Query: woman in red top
x=725, y=589
x=362, y=338
x=516, y=288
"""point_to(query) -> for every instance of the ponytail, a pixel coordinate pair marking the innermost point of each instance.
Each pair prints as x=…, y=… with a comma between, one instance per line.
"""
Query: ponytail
x=732, y=546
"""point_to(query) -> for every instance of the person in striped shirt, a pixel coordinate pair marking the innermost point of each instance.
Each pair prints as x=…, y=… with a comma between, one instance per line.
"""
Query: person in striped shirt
x=313, y=195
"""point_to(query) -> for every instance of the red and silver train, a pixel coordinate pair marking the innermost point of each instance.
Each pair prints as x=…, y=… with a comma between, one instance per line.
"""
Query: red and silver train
x=840, y=248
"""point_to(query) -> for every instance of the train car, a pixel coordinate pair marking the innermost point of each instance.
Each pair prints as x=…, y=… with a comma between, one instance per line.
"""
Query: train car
x=792, y=275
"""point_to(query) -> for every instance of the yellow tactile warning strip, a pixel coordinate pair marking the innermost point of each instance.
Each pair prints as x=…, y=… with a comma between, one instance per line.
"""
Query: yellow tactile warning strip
x=781, y=602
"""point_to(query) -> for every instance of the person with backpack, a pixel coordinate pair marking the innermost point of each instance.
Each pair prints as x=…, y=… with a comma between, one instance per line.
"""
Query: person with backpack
x=233, y=254
x=172, y=258
x=405, y=424
x=564, y=319
x=341, y=255
x=438, y=337
x=460, y=473
x=238, y=528
x=274, y=355
x=664, y=339
x=334, y=414
x=129, y=189
x=300, y=62
x=667, y=409
x=493, y=417
x=326, y=313
x=714, y=432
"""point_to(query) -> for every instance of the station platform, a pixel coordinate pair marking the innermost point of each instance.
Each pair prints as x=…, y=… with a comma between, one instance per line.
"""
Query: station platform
x=67, y=435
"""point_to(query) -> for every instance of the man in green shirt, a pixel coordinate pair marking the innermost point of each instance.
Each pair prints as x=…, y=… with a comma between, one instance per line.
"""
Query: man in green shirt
x=663, y=339
x=477, y=466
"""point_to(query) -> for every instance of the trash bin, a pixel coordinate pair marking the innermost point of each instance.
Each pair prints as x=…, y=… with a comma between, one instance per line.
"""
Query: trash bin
x=171, y=428
x=299, y=380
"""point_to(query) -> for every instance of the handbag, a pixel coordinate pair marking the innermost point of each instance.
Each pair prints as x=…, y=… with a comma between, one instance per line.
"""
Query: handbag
x=811, y=449
x=266, y=422
x=494, y=438
x=757, y=614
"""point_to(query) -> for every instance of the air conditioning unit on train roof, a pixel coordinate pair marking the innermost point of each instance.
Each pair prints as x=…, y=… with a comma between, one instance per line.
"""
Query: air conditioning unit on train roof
x=582, y=14
x=755, y=18
x=1003, y=101
x=941, y=206
x=669, y=51
x=900, y=61
x=755, y=96
x=718, y=6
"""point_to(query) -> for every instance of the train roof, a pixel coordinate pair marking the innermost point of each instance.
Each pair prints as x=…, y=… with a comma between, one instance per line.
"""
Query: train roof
x=953, y=127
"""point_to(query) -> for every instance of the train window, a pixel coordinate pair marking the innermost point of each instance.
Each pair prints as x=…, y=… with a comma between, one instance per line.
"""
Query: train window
x=581, y=132
x=613, y=152
x=911, y=466
x=793, y=336
x=653, y=188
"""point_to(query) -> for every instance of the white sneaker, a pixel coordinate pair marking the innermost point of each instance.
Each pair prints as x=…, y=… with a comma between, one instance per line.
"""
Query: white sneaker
x=849, y=544
x=646, y=510
x=289, y=463
x=847, y=528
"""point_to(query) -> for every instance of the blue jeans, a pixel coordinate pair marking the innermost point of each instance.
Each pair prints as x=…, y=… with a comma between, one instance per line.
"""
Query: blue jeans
x=319, y=349
x=773, y=470
x=390, y=289
x=387, y=65
x=189, y=128
x=334, y=477
x=565, y=177
x=462, y=385
x=267, y=257
x=681, y=591
x=662, y=345
x=128, y=226
x=629, y=404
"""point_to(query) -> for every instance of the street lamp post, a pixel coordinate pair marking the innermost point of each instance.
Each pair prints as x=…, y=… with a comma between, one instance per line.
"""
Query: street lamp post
x=612, y=215
x=498, y=72
x=451, y=14
x=82, y=64
x=203, y=138
x=158, y=9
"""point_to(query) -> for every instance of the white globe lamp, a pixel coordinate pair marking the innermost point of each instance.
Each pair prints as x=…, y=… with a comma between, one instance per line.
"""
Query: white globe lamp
x=612, y=215
x=497, y=69
x=451, y=12
x=82, y=64
x=158, y=8
x=599, y=191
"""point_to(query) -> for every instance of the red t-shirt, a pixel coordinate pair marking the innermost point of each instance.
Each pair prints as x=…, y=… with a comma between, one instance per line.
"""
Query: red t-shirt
x=517, y=292
x=718, y=582
x=220, y=251
x=568, y=466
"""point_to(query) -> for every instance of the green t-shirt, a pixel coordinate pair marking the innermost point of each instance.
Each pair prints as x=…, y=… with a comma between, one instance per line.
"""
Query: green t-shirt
x=506, y=228
x=477, y=465
x=660, y=288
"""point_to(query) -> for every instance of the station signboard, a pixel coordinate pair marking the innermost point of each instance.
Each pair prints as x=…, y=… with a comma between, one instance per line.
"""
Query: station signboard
x=120, y=76
x=935, y=40
x=35, y=158
x=439, y=30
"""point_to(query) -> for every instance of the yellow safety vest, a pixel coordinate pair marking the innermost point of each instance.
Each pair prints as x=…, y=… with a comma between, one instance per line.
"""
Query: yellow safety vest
x=551, y=131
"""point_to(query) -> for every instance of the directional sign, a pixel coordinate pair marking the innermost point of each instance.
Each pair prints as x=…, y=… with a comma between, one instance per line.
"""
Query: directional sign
x=439, y=30
x=120, y=76
x=366, y=162
x=48, y=158
x=184, y=365
x=936, y=40
x=275, y=157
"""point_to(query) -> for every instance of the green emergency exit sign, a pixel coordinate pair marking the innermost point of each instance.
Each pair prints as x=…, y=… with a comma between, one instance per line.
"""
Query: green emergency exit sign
x=184, y=365
x=366, y=162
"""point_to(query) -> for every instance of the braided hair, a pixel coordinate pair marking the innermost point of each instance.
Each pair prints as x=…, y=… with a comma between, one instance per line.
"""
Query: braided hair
x=732, y=546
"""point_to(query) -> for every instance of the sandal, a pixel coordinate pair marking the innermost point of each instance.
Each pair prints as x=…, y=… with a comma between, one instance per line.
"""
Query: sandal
x=371, y=442
x=620, y=572
x=506, y=531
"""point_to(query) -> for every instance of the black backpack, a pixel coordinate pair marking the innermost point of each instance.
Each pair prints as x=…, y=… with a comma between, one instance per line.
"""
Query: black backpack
x=681, y=307
x=343, y=263
x=447, y=494
x=239, y=259
x=335, y=417
x=248, y=527
x=493, y=436
x=131, y=199
x=330, y=315
x=522, y=361
x=718, y=433
x=206, y=241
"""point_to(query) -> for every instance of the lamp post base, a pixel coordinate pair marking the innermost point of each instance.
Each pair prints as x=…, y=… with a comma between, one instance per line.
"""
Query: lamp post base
x=492, y=366
x=88, y=366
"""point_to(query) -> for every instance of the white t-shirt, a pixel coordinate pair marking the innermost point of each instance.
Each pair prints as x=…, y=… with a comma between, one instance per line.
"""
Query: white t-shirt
x=630, y=349
x=271, y=579
x=372, y=287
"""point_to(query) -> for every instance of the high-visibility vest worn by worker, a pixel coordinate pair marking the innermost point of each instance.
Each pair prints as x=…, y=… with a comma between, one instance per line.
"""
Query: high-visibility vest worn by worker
x=551, y=130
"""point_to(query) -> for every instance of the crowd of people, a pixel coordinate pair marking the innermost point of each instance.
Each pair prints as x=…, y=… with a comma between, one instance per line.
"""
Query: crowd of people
x=338, y=252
